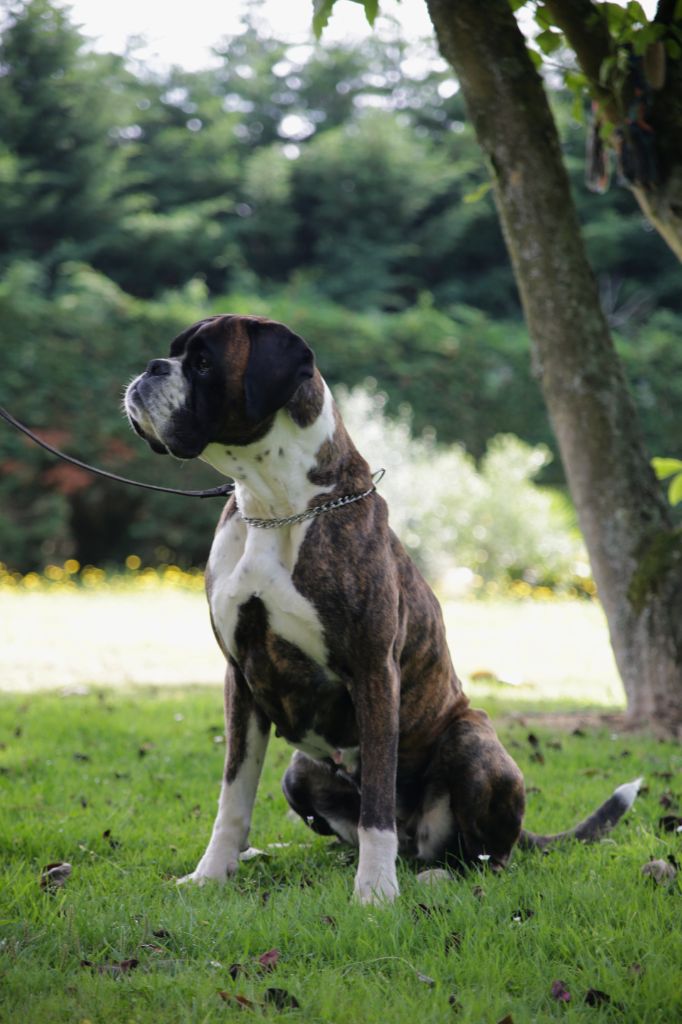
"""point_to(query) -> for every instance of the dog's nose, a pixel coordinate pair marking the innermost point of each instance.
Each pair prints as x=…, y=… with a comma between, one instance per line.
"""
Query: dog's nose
x=159, y=368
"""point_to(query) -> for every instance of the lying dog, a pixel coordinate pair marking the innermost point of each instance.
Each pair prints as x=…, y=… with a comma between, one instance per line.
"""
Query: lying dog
x=329, y=630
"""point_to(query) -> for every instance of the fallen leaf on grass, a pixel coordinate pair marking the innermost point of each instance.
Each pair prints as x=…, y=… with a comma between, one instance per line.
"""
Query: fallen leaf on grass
x=425, y=980
x=433, y=876
x=595, y=997
x=506, y=1020
x=116, y=969
x=242, y=1001
x=268, y=961
x=54, y=876
x=560, y=992
x=670, y=823
x=113, y=843
x=661, y=871
x=282, y=999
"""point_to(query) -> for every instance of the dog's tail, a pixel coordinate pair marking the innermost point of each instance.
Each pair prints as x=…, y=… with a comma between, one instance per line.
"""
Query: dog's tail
x=593, y=827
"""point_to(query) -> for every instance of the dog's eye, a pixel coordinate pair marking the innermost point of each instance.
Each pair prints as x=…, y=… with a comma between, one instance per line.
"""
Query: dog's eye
x=202, y=364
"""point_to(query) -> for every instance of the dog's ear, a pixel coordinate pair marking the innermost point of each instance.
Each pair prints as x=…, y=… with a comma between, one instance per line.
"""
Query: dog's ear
x=279, y=362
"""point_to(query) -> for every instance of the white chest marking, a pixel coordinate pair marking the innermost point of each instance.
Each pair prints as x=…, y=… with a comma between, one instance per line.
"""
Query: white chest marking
x=272, y=480
x=259, y=563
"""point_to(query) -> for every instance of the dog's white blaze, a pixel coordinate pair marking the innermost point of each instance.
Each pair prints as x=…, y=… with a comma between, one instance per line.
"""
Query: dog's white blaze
x=169, y=395
x=247, y=562
x=435, y=825
x=232, y=823
x=376, y=880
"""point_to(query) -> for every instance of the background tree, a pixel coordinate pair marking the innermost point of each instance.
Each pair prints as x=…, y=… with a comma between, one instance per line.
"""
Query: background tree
x=635, y=548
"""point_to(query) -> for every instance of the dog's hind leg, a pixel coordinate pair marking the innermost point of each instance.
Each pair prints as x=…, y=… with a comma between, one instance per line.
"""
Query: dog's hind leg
x=327, y=800
x=473, y=799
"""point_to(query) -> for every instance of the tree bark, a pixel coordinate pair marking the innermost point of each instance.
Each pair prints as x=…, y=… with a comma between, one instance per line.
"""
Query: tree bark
x=636, y=553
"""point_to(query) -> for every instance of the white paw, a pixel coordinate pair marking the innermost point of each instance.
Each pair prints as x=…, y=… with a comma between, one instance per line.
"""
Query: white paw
x=211, y=869
x=376, y=881
x=378, y=891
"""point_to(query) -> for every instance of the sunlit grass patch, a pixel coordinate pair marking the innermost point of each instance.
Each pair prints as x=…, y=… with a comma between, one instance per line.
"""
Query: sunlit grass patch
x=124, y=788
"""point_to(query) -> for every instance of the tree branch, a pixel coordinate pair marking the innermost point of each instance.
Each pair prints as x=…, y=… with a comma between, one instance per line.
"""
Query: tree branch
x=586, y=32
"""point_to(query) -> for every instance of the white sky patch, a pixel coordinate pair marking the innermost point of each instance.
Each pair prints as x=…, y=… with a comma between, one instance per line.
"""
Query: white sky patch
x=178, y=34
x=167, y=34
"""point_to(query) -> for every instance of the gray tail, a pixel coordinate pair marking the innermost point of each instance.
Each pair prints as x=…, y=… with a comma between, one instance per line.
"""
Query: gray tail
x=593, y=827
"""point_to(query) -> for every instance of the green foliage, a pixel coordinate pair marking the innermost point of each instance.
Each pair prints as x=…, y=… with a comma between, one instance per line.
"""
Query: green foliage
x=336, y=188
x=68, y=349
x=491, y=520
x=59, y=166
x=666, y=469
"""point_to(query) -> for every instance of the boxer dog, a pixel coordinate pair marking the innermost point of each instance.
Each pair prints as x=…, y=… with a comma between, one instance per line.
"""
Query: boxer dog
x=329, y=630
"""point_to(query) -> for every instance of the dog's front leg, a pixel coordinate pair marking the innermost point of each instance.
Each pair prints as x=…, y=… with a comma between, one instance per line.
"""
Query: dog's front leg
x=247, y=732
x=377, y=709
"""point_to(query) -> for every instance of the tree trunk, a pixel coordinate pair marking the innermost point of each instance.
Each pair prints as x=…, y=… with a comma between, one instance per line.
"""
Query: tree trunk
x=635, y=552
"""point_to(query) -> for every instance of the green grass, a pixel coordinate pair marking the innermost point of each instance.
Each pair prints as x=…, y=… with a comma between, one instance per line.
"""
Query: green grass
x=124, y=787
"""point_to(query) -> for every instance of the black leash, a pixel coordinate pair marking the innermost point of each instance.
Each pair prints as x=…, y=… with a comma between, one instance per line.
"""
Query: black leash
x=213, y=492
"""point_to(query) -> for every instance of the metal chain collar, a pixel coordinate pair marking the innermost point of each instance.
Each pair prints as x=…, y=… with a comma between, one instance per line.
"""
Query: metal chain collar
x=317, y=510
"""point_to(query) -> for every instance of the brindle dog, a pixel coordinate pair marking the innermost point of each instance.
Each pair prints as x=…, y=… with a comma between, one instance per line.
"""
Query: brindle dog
x=329, y=630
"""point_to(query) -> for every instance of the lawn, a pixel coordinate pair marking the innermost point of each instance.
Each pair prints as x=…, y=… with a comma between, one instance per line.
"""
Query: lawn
x=122, y=783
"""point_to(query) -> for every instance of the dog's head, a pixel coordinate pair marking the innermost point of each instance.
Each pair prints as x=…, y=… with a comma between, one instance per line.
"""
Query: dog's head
x=224, y=380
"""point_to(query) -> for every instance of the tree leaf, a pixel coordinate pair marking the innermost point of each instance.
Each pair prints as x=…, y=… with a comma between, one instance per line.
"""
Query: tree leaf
x=548, y=41
x=54, y=876
x=478, y=193
x=322, y=10
x=282, y=999
x=660, y=871
x=664, y=468
x=560, y=992
x=675, y=490
x=595, y=997
x=268, y=961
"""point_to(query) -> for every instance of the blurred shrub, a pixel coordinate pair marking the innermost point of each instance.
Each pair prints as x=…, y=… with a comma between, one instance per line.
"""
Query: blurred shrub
x=450, y=514
x=71, y=341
